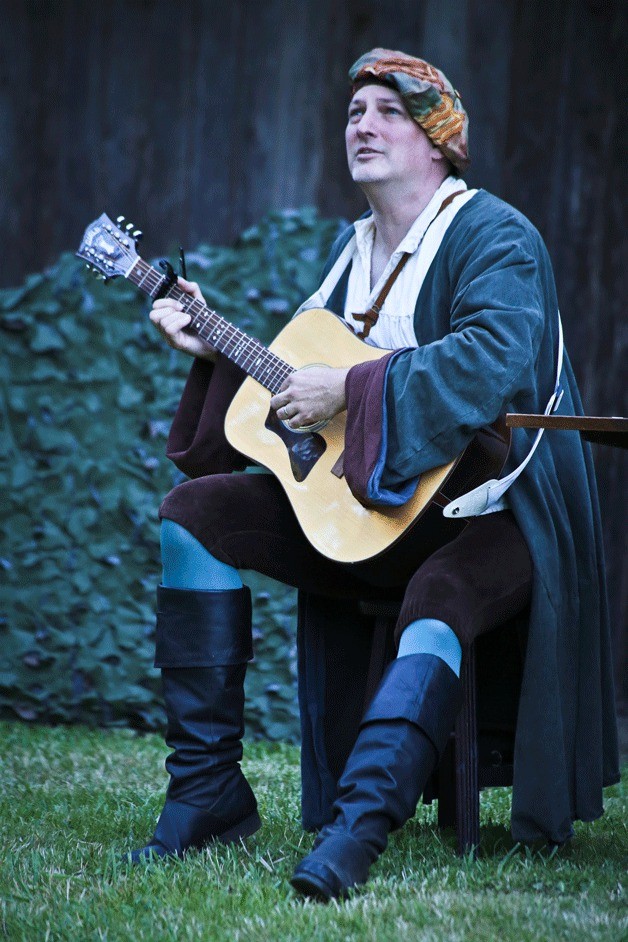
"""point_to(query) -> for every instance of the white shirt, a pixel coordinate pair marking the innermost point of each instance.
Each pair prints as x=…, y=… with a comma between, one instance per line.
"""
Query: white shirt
x=395, y=326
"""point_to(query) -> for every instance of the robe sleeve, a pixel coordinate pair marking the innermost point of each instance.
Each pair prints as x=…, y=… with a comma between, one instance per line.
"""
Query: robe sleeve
x=197, y=442
x=434, y=397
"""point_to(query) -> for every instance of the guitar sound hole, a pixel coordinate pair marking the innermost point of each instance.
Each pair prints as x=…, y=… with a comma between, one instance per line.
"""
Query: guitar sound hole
x=304, y=448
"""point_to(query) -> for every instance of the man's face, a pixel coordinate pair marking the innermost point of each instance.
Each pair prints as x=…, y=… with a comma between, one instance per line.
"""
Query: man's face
x=383, y=142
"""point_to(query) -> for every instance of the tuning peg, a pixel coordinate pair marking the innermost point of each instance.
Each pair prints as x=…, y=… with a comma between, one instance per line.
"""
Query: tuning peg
x=129, y=226
x=137, y=235
x=120, y=220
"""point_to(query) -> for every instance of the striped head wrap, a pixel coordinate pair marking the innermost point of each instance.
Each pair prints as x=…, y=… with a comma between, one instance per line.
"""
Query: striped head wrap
x=428, y=95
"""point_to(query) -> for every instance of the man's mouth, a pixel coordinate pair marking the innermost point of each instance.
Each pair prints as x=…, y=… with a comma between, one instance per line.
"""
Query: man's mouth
x=366, y=152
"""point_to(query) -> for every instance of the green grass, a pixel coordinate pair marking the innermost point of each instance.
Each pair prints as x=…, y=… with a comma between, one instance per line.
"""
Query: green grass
x=72, y=800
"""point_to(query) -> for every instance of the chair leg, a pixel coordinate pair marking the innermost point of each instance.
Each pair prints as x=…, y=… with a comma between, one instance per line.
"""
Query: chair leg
x=447, y=788
x=467, y=792
x=382, y=630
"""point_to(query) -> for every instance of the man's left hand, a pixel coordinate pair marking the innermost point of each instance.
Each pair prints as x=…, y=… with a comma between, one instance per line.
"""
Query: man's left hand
x=311, y=394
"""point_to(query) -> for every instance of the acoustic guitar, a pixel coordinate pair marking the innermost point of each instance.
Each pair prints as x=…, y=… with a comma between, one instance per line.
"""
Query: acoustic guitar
x=307, y=461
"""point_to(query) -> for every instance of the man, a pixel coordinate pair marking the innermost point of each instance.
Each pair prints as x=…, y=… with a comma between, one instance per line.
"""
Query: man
x=459, y=287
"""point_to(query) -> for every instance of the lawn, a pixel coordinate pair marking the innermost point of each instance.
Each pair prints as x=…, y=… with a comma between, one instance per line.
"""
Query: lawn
x=73, y=799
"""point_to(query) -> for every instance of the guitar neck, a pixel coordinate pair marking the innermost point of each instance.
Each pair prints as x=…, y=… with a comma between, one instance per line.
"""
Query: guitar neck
x=246, y=352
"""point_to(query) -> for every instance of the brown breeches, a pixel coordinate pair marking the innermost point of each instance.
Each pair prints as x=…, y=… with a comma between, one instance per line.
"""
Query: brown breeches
x=478, y=580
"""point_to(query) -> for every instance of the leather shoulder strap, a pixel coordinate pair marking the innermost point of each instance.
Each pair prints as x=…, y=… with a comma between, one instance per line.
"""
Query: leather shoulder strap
x=369, y=318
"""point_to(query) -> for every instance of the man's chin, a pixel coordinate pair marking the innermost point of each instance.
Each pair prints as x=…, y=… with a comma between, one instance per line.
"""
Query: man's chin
x=366, y=174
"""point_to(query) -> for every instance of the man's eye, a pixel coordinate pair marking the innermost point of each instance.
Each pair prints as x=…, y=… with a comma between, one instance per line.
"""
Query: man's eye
x=355, y=112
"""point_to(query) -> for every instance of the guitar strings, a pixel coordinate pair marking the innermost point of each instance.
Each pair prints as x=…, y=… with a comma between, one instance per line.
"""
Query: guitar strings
x=230, y=338
x=253, y=357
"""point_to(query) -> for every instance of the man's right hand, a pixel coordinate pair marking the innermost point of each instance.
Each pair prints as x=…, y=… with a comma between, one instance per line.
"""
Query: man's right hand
x=170, y=320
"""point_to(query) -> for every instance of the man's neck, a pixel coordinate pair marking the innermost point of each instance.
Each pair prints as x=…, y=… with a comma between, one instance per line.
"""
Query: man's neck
x=395, y=210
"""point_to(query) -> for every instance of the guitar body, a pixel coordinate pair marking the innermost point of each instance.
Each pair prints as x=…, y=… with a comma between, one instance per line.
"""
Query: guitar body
x=336, y=524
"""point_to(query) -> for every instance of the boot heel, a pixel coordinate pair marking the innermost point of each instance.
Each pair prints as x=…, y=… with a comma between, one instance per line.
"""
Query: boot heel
x=244, y=828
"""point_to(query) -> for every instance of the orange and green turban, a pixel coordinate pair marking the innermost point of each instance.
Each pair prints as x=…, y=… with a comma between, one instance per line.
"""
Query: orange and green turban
x=428, y=95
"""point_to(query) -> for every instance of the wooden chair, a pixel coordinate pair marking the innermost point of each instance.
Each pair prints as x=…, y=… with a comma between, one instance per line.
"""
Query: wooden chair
x=480, y=751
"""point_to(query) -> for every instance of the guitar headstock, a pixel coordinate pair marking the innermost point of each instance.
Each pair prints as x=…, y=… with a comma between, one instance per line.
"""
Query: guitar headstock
x=108, y=248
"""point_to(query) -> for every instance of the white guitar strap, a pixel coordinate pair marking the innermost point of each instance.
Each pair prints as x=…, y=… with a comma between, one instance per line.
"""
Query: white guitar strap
x=482, y=498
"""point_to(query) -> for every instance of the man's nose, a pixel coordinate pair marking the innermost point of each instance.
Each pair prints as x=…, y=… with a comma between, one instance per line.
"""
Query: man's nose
x=365, y=127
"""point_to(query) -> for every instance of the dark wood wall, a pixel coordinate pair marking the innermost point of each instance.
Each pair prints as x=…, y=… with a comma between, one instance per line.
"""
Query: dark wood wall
x=194, y=118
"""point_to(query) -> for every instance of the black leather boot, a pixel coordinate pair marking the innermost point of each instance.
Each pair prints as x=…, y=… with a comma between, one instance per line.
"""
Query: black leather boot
x=202, y=646
x=401, y=738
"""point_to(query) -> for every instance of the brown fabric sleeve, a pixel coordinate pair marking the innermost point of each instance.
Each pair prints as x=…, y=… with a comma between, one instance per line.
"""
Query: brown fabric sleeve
x=197, y=442
x=364, y=390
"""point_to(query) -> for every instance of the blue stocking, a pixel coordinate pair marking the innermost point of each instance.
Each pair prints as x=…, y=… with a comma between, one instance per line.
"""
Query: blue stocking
x=188, y=565
x=430, y=636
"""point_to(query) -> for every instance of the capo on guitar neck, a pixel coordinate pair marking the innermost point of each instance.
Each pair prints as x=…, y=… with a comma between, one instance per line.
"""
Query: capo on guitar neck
x=170, y=277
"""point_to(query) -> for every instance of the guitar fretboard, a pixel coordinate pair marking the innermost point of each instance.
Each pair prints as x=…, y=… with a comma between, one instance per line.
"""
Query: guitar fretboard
x=246, y=352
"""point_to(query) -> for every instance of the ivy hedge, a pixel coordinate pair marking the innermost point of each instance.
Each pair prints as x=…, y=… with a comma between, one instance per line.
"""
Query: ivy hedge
x=87, y=392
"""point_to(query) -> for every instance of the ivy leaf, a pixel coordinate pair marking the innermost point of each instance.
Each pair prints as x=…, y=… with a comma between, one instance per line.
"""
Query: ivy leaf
x=13, y=296
x=46, y=339
x=129, y=396
x=54, y=440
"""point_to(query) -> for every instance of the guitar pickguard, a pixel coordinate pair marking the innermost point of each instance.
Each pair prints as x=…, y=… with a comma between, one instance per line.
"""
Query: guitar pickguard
x=304, y=448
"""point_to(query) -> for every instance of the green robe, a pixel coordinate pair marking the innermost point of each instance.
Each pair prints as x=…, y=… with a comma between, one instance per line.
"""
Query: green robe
x=487, y=330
